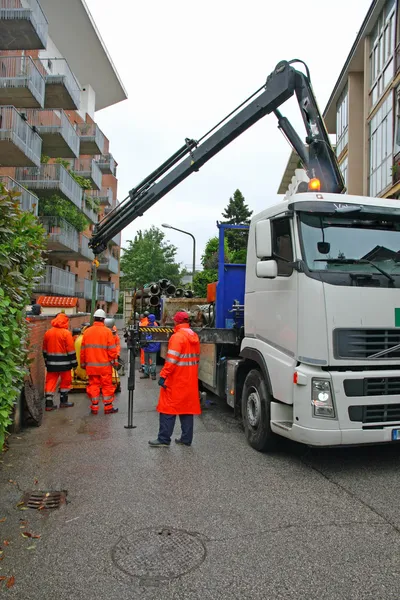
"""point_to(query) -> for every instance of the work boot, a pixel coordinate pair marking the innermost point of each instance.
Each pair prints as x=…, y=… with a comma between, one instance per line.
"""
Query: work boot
x=154, y=376
x=64, y=401
x=50, y=404
x=110, y=410
x=145, y=376
x=158, y=444
x=180, y=443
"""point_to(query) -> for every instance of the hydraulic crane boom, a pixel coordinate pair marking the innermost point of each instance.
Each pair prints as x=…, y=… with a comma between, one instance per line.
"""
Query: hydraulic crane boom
x=316, y=154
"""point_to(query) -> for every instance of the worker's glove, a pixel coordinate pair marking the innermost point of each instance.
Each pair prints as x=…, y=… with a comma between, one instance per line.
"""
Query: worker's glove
x=161, y=382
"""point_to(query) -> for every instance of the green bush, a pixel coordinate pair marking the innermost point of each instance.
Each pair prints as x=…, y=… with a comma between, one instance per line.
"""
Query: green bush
x=22, y=241
x=55, y=206
x=201, y=280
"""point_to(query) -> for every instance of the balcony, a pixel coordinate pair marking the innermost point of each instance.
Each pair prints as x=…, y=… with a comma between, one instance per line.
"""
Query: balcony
x=105, y=292
x=104, y=196
x=57, y=282
x=62, y=90
x=107, y=164
x=116, y=296
x=92, y=139
x=89, y=169
x=396, y=169
x=108, y=263
x=21, y=83
x=50, y=180
x=23, y=25
x=19, y=144
x=62, y=238
x=83, y=289
x=84, y=250
x=27, y=201
x=59, y=138
x=88, y=210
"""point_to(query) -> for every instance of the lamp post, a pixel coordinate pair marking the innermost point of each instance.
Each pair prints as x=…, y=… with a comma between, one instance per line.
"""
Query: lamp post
x=194, y=244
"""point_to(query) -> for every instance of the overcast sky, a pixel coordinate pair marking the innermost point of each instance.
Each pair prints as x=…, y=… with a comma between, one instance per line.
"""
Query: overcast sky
x=186, y=65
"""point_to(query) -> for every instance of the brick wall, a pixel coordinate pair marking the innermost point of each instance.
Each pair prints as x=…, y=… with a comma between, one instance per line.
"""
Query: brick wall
x=37, y=328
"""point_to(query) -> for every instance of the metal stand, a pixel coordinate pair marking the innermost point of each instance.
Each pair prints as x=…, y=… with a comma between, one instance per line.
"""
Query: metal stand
x=132, y=343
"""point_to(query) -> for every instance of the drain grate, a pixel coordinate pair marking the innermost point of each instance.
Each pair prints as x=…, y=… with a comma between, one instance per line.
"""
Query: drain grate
x=157, y=555
x=44, y=500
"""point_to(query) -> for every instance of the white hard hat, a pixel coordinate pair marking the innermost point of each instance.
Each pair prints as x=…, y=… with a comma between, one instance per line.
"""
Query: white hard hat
x=100, y=314
x=109, y=322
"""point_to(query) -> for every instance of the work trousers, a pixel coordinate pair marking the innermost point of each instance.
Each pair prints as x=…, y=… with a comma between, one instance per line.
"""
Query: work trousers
x=167, y=424
x=101, y=386
x=52, y=381
x=150, y=363
x=141, y=357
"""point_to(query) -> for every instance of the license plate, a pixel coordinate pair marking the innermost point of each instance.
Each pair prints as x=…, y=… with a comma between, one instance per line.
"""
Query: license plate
x=395, y=435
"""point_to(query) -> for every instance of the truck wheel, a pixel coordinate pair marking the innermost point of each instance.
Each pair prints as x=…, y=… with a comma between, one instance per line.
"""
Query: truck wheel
x=256, y=413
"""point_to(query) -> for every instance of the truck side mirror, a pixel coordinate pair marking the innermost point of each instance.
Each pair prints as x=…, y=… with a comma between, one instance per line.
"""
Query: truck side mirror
x=267, y=269
x=263, y=239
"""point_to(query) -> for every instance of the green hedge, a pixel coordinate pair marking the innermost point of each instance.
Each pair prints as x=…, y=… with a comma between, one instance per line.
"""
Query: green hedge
x=22, y=241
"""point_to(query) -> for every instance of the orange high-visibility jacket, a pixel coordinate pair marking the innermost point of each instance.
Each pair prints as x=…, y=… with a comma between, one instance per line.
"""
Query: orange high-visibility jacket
x=181, y=374
x=58, y=346
x=117, y=340
x=98, y=349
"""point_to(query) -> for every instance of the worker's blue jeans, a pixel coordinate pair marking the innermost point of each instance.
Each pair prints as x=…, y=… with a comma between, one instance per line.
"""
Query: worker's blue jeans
x=167, y=424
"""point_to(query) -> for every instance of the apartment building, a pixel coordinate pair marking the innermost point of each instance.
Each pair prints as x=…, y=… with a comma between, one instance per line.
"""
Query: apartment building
x=363, y=110
x=55, y=73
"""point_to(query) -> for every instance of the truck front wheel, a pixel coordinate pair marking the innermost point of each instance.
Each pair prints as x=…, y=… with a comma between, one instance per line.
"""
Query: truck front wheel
x=256, y=413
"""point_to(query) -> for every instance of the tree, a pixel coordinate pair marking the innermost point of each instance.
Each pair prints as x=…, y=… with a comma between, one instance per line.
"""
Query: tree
x=149, y=258
x=22, y=241
x=237, y=213
x=209, y=260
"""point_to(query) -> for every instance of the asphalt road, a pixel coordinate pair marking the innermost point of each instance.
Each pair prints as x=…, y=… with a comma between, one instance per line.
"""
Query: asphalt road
x=214, y=521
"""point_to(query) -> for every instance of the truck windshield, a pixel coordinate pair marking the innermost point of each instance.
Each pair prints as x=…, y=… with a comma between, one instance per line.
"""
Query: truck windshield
x=358, y=243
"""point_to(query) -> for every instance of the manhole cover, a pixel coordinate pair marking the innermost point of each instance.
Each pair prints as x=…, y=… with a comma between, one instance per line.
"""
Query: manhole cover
x=156, y=555
x=44, y=500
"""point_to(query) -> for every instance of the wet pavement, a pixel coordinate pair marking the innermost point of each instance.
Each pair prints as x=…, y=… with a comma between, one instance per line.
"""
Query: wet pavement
x=214, y=521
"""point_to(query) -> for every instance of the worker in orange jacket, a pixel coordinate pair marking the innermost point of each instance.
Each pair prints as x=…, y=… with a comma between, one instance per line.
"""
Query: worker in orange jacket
x=60, y=357
x=98, y=356
x=144, y=321
x=179, y=393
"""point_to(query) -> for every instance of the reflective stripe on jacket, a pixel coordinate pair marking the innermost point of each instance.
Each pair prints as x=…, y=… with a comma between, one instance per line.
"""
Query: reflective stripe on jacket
x=58, y=346
x=98, y=349
x=181, y=374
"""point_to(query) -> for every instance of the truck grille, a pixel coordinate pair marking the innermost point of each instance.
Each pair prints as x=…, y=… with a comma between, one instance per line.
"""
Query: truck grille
x=364, y=343
x=372, y=386
x=377, y=413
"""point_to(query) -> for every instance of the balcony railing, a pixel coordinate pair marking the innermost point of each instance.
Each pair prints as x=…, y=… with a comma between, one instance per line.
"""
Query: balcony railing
x=103, y=196
x=19, y=144
x=51, y=179
x=58, y=135
x=83, y=289
x=62, y=89
x=108, y=263
x=92, y=139
x=62, y=236
x=105, y=292
x=84, y=249
x=23, y=25
x=107, y=164
x=56, y=281
x=27, y=201
x=21, y=83
x=91, y=214
x=88, y=168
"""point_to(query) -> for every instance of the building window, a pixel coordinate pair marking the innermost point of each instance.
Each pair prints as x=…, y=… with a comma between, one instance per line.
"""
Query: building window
x=282, y=246
x=381, y=148
x=381, y=58
x=343, y=168
x=342, y=122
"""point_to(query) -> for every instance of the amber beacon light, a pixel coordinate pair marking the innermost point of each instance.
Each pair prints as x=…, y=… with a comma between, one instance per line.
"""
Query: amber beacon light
x=314, y=185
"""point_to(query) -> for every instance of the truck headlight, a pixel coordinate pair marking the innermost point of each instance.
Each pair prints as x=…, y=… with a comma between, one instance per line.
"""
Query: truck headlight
x=322, y=399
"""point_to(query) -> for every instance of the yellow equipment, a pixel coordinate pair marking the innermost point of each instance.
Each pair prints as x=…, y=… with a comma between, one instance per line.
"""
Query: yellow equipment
x=79, y=376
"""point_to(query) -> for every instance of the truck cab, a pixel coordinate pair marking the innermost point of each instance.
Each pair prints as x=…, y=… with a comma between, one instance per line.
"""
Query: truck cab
x=320, y=356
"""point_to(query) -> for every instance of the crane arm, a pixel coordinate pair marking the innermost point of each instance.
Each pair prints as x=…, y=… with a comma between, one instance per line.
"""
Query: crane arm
x=316, y=154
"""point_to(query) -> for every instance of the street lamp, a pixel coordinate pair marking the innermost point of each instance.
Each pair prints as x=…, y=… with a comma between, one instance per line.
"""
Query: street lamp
x=194, y=244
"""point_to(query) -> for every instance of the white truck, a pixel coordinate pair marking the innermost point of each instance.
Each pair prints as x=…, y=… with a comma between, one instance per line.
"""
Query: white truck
x=305, y=342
